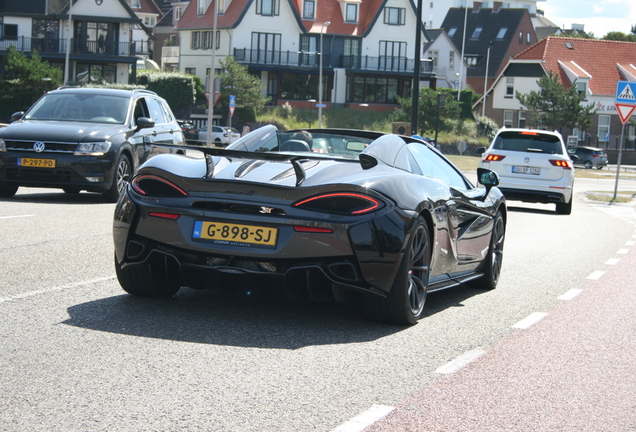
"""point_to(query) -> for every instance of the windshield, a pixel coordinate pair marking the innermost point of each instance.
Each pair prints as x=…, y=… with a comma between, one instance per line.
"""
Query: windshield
x=93, y=108
x=528, y=142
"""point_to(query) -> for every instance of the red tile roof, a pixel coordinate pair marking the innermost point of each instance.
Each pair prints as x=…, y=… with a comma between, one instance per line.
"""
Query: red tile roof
x=598, y=59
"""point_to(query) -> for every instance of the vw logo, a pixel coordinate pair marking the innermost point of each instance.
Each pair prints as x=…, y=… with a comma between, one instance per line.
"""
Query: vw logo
x=525, y=159
x=38, y=146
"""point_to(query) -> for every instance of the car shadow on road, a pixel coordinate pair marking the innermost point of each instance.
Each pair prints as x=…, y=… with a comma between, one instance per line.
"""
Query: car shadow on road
x=55, y=197
x=230, y=319
x=546, y=211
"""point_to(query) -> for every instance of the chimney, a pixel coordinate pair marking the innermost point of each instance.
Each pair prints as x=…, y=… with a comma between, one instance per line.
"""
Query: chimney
x=476, y=7
x=496, y=6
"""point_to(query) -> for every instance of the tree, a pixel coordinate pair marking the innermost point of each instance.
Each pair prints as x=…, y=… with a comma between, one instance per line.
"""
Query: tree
x=427, y=110
x=620, y=36
x=555, y=107
x=248, y=89
x=23, y=83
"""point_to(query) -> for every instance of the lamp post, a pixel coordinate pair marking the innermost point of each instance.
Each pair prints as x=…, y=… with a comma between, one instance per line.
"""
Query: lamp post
x=46, y=84
x=312, y=102
x=364, y=112
x=483, y=107
x=68, y=43
x=320, y=77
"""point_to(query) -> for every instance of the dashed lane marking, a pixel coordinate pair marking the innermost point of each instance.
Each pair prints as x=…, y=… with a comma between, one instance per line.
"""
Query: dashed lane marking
x=612, y=261
x=13, y=217
x=58, y=288
x=596, y=275
x=460, y=362
x=570, y=294
x=623, y=251
x=530, y=320
x=367, y=418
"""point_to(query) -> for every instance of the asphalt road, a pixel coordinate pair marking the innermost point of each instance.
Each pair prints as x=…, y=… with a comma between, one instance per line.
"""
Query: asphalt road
x=78, y=354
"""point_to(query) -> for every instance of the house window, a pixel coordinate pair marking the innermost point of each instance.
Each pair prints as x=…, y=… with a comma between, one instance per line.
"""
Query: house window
x=510, y=88
x=10, y=31
x=394, y=16
x=309, y=9
x=505, y=5
x=177, y=13
x=507, y=120
x=351, y=53
x=200, y=7
x=91, y=72
x=351, y=12
x=377, y=89
x=502, y=32
x=267, y=7
x=392, y=55
x=191, y=71
x=528, y=38
x=431, y=5
x=433, y=55
x=522, y=120
x=485, y=4
x=300, y=86
x=520, y=37
x=603, y=128
x=451, y=60
x=196, y=42
x=476, y=33
x=221, y=8
x=45, y=34
x=452, y=31
x=581, y=87
x=471, y=61
x=579, y=134
x=135, y=4
x=265, y=47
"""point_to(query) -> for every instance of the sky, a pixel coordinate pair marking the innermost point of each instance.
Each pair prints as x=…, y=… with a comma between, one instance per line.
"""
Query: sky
x=599, y=16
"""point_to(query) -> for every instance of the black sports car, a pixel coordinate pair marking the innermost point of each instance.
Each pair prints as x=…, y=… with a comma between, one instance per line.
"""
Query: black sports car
x=377, y=217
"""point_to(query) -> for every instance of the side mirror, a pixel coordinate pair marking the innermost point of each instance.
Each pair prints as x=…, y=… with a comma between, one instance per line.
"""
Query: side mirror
x=17, y=116
x=488, y=178
x=574, y=158
x=480, y=150
x=144, y=123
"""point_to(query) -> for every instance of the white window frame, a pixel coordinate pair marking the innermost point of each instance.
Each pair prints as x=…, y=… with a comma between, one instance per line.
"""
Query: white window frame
x=200, y=7
x=510, y=88
x=508, y=118
x=521, y=121
x=351, y=12
x=604, y=125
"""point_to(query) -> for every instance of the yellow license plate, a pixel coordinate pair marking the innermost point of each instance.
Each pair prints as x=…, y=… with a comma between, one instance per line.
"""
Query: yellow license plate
x=39, y=163
x=235, y=234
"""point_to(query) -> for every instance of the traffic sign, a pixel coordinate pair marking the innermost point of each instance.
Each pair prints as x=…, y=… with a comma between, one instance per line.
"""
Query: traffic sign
x=232, y=104
x=625, y=99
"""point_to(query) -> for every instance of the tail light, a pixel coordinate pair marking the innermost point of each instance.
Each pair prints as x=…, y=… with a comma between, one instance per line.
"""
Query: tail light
x=561, y=163
x=493, y=158
x=150, y=185
x=340, y=203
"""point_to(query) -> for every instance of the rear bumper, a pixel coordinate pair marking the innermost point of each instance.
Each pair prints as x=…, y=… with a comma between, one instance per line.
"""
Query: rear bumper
x=533, y=196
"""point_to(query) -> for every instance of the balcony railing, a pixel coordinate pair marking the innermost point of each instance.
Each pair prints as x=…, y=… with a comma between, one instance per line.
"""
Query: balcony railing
x=58, y=46
x=311, y=60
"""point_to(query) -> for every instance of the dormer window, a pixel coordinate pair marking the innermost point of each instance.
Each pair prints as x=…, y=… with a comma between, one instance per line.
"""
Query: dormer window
x=135, y=4
x=200, y=7
x=351, y=12
x=309, y=9
x=267, y=7
x=581, y=87
x=394, y=16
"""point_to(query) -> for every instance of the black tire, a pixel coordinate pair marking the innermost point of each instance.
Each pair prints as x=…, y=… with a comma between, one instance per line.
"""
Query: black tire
x=492, y=263
x=152, y=279
x=123, y=171
x=599, y=167
x=404, y=304
x=564, y=208
x=588, y=165
x=8, y=191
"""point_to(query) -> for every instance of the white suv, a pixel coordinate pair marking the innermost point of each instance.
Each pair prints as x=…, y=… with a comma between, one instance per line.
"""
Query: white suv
x=533, y=166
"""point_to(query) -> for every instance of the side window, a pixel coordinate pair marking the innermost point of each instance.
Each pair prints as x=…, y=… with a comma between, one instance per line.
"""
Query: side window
x=156, y=111
x=140, y=110
x=167, y=112
x=435, y=167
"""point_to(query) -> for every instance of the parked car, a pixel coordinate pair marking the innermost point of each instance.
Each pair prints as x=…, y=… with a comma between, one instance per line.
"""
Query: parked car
x=190, y=131
x=533, y=166
x=84, y=139
x=380, y=218
x=591, y=157
x=221, y=135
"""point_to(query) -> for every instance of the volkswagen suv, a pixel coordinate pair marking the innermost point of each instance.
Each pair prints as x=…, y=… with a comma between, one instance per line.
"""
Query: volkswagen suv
x=533, y=166
x=84, y=139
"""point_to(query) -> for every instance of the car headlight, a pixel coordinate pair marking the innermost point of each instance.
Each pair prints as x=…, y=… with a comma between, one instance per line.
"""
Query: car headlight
x=92, y=149
x=3, y=145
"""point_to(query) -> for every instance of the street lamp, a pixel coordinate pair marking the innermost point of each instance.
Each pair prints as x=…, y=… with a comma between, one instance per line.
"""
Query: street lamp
x=312, y=102
x=320, y=77
x=46, y=84
x=483, y=107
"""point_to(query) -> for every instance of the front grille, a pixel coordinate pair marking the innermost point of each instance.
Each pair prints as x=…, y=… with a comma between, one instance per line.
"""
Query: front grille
x=49, y=146
x=39, y=175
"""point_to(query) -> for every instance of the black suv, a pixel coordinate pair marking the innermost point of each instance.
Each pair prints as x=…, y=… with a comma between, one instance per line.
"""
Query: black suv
x=84, y=139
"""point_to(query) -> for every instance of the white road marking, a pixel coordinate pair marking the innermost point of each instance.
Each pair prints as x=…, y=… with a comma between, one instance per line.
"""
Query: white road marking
x=58, y=288
x=596, y=275
x=612, y=261
x=570, y=294
x=530, y=320
x=18, y=216
x=623, y=251
x=460, y=362
x=367, y=418
x=630, y=243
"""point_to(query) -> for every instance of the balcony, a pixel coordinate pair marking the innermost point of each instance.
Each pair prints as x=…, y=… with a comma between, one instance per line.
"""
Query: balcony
x=311, y=60
x=58, y=46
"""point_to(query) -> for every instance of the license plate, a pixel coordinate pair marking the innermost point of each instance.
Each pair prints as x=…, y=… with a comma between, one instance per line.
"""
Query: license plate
x=235, y=234
x=526, y=170
x=39, y=163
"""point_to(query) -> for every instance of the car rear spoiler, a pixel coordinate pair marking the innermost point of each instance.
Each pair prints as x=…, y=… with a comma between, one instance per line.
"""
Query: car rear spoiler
x=366, y=161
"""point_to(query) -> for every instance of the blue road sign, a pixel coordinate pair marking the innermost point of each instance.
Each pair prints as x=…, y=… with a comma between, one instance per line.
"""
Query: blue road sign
x=626, y=92
x=232, y=100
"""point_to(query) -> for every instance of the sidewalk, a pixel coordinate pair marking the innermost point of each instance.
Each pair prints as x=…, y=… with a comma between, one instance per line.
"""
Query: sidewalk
x=572, y=371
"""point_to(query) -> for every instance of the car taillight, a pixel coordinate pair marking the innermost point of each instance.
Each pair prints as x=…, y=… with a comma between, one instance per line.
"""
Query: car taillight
x=171, y=216
x=340, y=203
x=596, y=156
x=150, y=185
x=561, y=163
x=493, y=158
